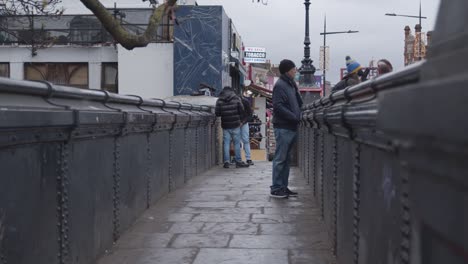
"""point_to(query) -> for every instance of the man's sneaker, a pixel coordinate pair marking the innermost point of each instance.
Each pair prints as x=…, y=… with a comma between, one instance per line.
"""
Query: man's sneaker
x=280, y=193
x=241, y=164
x=291, y=193
x=226, y=165
x=250, y=162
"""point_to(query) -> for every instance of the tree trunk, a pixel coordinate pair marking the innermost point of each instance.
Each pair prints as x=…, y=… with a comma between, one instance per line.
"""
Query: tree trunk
x=127, y=40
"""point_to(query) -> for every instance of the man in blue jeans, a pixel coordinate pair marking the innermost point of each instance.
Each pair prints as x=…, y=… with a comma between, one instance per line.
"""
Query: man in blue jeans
x=287, y=104
x=245, y=137
x=229, y=108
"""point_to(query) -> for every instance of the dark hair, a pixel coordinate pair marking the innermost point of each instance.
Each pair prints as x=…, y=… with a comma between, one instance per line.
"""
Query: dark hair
x=384, y=66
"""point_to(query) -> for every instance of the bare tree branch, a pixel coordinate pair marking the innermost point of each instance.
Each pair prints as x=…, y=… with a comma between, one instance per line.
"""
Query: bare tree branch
x=126, y=39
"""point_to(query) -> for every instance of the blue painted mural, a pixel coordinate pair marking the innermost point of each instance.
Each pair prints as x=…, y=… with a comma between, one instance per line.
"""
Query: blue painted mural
x=200, y=48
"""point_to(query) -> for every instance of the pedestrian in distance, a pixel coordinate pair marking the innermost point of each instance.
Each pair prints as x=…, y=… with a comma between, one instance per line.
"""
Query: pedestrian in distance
x=245, y=130
x=287, y=103
x=229, y=108
x=353, y=77
x=383, y=67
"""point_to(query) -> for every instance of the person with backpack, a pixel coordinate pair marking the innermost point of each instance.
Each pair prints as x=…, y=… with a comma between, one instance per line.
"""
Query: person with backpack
x=229, y=107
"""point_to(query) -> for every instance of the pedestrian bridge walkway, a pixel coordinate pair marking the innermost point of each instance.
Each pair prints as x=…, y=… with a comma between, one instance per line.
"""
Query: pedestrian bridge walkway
x=93, y=177
x=227, y=216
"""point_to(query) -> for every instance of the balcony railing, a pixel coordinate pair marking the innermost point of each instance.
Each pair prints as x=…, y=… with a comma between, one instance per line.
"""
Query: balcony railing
x=76, y=29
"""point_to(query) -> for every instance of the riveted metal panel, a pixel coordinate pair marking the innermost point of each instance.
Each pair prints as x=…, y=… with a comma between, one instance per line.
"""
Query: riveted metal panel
x=380, y=207
x=159, y=164
x=327, y=189
x=28, y=204
x=177, y=160
x=90, y=217
x=345, y=217
x=82, y=165
x=190, y=153
x=133, y=166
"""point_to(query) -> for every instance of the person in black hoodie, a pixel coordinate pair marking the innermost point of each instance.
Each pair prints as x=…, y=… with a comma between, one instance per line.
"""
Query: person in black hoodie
x=229, y=108
x=287, y=104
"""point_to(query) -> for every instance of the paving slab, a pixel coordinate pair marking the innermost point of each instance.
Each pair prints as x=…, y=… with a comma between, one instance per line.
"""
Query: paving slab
x=227, y=216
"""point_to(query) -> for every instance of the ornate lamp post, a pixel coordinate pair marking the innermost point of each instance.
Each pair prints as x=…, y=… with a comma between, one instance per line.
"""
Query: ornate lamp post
x=307, y=70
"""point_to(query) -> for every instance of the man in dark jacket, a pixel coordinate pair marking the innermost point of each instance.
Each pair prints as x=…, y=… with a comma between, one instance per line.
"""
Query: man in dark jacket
x=287, y=104
x=229, y=108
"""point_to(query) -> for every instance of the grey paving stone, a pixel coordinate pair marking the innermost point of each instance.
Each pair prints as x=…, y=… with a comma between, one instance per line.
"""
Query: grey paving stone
x=150, y=256
x=164, y=217
x=251, y=197
x=278, y=242
x=214, y=210
x=179, y=217
x=143, y=240
x=293, y=229
x=266, y=191
x=292, y=211
x=211, y=204
x=273, y=204
x=278, y=218
x=206, y=198
x=227, y=216
x=186, y=227
x=221, y=193
x=230, y=228
x=311, y=257
x=222, y=218
x=200, y=241
x=151, y=227
x=241, y=256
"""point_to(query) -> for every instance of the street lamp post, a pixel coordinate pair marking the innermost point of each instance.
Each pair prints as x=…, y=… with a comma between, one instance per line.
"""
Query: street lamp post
x=420, y=17
x=325, y=33
x=307, y=70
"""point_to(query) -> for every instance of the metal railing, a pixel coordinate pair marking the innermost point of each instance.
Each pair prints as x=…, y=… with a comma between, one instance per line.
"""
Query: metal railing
x=390, y=187
x=79, y=166
x=75, y=29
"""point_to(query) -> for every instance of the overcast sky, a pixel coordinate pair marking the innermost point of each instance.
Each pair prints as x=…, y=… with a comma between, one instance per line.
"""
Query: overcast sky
x=279, y=27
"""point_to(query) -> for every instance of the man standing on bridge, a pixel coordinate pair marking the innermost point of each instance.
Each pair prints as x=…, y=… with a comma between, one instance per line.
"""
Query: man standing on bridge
x=287, y=104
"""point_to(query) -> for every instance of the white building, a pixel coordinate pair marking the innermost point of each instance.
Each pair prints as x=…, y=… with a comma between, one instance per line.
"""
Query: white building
x=75, y=50
x=80, y=53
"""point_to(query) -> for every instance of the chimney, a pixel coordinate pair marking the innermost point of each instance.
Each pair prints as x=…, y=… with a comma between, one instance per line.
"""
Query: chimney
x=417, y=28
x=429, y=38
x=406, y=53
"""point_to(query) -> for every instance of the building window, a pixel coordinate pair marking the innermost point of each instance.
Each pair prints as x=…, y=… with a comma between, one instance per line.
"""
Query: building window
x=110, y=77
x=4, y=69
x=68, y=74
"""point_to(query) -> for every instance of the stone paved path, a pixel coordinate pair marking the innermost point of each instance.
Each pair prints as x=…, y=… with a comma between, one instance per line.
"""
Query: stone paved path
x=226, y=216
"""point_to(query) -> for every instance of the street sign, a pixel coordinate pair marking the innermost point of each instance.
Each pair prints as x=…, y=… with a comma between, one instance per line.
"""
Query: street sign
x=327, y=58
x=255, y=55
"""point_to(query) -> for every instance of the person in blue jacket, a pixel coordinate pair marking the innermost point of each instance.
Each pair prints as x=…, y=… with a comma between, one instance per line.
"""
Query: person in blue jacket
x=287, y=104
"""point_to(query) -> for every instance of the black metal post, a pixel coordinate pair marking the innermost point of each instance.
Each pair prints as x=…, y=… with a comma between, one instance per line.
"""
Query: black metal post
x=324, y=55
x=325, y=33
x=307, y=70
x=420, y=32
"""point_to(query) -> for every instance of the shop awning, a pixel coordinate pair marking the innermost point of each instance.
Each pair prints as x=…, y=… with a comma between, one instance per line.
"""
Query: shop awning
x=260, y=90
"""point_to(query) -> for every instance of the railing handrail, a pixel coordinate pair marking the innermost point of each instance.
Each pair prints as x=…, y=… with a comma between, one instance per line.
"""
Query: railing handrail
x=47, y=89
x=410, y=74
